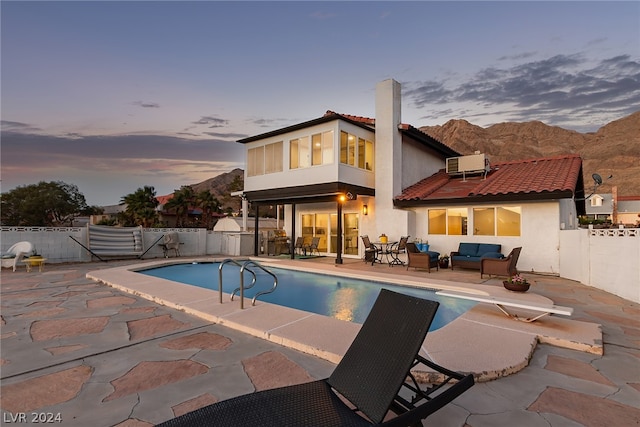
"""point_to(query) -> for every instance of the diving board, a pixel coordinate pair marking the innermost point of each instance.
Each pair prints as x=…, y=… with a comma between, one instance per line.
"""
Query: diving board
x=501, y=303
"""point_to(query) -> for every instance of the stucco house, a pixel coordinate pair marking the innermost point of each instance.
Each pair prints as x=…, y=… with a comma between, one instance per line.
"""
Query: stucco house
x=341, y=176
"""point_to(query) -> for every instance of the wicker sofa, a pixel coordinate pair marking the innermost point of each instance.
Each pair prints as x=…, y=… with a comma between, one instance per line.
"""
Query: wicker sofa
x=469, y=255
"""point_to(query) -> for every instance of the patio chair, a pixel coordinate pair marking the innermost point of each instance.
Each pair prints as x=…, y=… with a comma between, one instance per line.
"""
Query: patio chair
x=313, y=246
x=375, y=369
x=299, y=246
x=15, y=254
x=371, y=252
x=424, y=260
x=170, y=241
x=501, y=267
x=397, y=249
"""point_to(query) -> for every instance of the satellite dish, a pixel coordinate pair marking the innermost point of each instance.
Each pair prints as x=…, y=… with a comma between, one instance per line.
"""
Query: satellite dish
x=597, y=178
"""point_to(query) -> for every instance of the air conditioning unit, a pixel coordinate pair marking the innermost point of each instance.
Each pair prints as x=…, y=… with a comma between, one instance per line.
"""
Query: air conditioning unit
x=466, y=165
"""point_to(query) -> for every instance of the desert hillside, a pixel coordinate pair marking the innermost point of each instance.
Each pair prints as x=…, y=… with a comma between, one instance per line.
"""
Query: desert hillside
x=613, y=150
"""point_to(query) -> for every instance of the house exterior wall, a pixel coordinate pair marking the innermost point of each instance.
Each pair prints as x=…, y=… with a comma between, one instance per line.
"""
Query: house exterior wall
x=417, y=163
x=539, y=237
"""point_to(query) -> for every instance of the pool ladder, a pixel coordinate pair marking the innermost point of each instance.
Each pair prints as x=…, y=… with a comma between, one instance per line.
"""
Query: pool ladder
x=243, y=267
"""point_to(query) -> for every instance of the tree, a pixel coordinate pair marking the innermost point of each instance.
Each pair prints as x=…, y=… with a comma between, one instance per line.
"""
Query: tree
x=182, y=200
x=141, y=207
x=208, y=204
x=46, y=204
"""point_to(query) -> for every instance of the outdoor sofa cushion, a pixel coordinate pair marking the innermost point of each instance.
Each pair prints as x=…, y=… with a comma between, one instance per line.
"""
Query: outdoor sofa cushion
x=469, y=255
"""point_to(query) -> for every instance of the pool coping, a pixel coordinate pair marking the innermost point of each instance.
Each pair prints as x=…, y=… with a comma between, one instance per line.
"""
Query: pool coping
x=475, y=333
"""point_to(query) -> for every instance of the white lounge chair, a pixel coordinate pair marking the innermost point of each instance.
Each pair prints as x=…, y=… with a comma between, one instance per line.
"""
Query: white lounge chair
x=16, y=253
x=501, y=303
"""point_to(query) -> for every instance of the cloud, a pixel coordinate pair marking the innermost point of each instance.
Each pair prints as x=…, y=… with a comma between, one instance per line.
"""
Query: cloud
x=210, y=120
x=146, y=104
x=17, y=126
x=142, y=159
x=226, y=135
x=559, y=90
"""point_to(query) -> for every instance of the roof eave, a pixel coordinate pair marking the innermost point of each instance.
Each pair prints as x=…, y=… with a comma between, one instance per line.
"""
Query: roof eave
x=309, y=123
x=491, y=198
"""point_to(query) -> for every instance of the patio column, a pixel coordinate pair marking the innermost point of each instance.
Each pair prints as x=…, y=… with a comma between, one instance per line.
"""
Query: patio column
x=256, y=240
x=292, y=242
x=339, y=243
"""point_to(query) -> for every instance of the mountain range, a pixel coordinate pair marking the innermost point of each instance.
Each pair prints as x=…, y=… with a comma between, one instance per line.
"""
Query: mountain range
x=614, y=149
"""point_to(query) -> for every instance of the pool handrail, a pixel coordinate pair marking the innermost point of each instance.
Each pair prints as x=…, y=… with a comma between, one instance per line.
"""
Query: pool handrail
x=233, y=261
x=253, y=301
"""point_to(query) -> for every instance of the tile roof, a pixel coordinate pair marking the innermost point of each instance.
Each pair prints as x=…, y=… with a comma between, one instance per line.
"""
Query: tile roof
x=359, y=119
x=540, y=178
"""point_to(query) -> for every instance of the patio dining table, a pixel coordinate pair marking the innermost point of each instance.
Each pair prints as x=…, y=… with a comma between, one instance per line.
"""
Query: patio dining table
x=385, y=249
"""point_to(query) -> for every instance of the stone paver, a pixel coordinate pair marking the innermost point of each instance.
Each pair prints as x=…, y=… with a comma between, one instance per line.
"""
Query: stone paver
x=99, y=357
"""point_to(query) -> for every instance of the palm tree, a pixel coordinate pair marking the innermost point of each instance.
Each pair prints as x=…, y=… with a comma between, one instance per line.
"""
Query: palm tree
x=182, y=200
x=141, y=206
x=208, y=204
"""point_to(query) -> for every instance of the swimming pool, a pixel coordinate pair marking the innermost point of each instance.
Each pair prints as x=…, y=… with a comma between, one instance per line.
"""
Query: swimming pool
x=335, y=296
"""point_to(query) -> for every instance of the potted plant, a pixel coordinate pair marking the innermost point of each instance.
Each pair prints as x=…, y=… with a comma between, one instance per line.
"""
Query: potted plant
x=517, y=283
x=443, y=261
x=35, y=255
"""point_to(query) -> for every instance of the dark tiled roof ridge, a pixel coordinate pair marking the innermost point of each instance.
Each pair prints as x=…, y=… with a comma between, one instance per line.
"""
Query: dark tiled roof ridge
x=360, y=119
x=537, y=159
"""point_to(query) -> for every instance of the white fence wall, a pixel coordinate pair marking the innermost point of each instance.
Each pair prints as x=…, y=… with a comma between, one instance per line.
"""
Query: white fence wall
x=56, y=244
x=607, y=259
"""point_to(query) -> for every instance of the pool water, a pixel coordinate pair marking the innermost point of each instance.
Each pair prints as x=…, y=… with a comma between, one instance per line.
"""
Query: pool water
x=339, y=297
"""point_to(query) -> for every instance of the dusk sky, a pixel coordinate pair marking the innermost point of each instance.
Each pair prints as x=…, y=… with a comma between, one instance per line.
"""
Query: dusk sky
x=113, y=96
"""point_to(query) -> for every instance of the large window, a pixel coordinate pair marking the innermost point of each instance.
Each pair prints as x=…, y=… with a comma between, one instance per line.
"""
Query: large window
x=358, y=154
x=451, y=221
x=437, y=221
x=264, y=159
x=487, y=221
x=484, y=221
x=508, y=221
x=311, y=151
x=457, y=221
x=500, y=221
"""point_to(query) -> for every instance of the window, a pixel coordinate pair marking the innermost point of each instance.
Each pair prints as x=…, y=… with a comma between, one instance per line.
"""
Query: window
x=596, y=201
x=311, y=151
x=448, y=221
x=358, y=154
x=484, y=223
x=264, y=159
x=437, y=221
x=255, y=161
x=508, y=220
x=322, y=148
x=273, y=157
x=500, y=221
x=457, y=221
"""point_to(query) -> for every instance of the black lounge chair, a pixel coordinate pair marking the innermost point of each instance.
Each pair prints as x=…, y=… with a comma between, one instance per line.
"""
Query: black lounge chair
x=375, y=368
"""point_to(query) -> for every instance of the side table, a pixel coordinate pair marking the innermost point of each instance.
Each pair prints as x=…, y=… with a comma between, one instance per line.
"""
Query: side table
x=34, y=262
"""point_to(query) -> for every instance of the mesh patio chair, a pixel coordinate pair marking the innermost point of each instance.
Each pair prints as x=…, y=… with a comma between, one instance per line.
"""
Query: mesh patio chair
x=371, y=252
x=397, y=249
x=375, y=368
x=313, y=246
x=299, y=246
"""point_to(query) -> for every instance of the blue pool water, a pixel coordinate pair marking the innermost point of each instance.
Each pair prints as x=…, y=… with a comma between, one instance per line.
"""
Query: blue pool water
x=334, y=296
